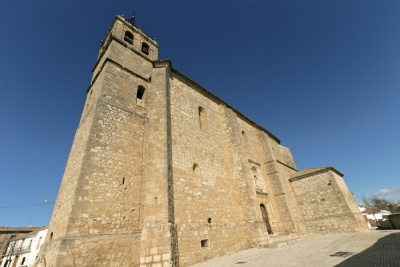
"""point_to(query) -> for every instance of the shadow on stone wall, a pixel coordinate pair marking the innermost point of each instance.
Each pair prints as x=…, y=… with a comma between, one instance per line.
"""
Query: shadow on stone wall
x=385, y=252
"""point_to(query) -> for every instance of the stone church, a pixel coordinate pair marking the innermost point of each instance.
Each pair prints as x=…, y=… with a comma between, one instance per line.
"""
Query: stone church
x=162, y=172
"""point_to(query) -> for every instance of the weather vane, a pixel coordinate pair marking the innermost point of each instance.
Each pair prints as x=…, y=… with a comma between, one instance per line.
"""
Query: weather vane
x=132, y=19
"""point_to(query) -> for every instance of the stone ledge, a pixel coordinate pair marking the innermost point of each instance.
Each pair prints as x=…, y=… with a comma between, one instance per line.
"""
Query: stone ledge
x=311, y=172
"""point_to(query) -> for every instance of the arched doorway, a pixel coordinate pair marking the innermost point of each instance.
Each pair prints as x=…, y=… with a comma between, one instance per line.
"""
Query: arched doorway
x=265, y=218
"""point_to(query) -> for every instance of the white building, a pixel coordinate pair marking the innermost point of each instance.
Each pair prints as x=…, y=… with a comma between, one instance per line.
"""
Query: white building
x=22, y=251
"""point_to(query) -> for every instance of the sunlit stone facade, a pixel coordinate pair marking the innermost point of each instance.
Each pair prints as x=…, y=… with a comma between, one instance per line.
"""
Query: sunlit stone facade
x=164, y=173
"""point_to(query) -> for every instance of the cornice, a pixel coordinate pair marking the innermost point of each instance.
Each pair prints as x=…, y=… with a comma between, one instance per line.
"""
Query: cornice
x=312, y=173
x=107, y=44
x=210, y=95
x=164, y=63
x=109, y=60
x=284, y=164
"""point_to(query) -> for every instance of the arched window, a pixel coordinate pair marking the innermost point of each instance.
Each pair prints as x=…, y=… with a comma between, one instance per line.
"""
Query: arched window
x=140, y=95
x=51, y=236
x=265, y=218
x=203, y=119
x=245, y=142
x=128, y=37
x=196, y=174
x=145, y=48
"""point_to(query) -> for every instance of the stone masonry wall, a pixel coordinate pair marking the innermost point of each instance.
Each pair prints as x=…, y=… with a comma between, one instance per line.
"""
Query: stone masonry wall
x=109, y=173
x=177, y=176
x=66, y=197
x=323, y=206
x=114, y=164
x=269, y=149
x=158, y=235
x=119, y=53
x=295, y=210
x=92, y=250
x=219, y=211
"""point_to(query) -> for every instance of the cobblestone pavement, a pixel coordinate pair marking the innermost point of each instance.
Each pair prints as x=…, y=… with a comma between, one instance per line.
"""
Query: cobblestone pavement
x=376, y=248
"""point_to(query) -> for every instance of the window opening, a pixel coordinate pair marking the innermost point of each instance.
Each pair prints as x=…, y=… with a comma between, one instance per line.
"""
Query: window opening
x=203, y=119
x=139, y=95
x=123, y=180
x=145, y=48
x=140, y=92
x=128, y=37
x=209, y=220
x=265, y=218
x=204, y=243
x=23, y=261
x=245, y=141
x=196, y=174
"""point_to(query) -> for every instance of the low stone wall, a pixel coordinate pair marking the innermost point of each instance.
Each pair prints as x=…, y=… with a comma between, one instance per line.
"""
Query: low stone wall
x=385, y=225
x=395, y=220
x=116, y=249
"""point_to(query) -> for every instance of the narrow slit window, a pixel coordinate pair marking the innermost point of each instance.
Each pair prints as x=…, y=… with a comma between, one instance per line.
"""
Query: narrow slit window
x=123, y=180
x=245, y=141
x=196, y=174
x=128, y=37
x=145, y=48
x=51, y=236
x=203, y=119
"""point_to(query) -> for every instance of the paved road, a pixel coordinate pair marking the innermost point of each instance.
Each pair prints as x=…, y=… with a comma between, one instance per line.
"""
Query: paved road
x=376, y=248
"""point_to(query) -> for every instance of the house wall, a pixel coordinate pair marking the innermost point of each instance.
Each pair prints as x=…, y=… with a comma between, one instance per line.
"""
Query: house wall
x=23, y=251
x=6, y=233
x=35, y=247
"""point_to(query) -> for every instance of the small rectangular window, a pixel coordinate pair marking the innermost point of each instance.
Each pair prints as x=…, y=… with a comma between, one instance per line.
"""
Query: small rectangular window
x=204, y=243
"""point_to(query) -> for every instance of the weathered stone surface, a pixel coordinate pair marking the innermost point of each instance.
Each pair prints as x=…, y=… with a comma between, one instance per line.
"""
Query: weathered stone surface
x=163, y=173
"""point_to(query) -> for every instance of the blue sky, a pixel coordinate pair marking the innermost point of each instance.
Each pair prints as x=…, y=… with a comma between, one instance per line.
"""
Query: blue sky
x=323, y=76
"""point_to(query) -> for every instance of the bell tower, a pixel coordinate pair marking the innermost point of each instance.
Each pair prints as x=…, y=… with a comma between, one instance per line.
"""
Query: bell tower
x=112, y=207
